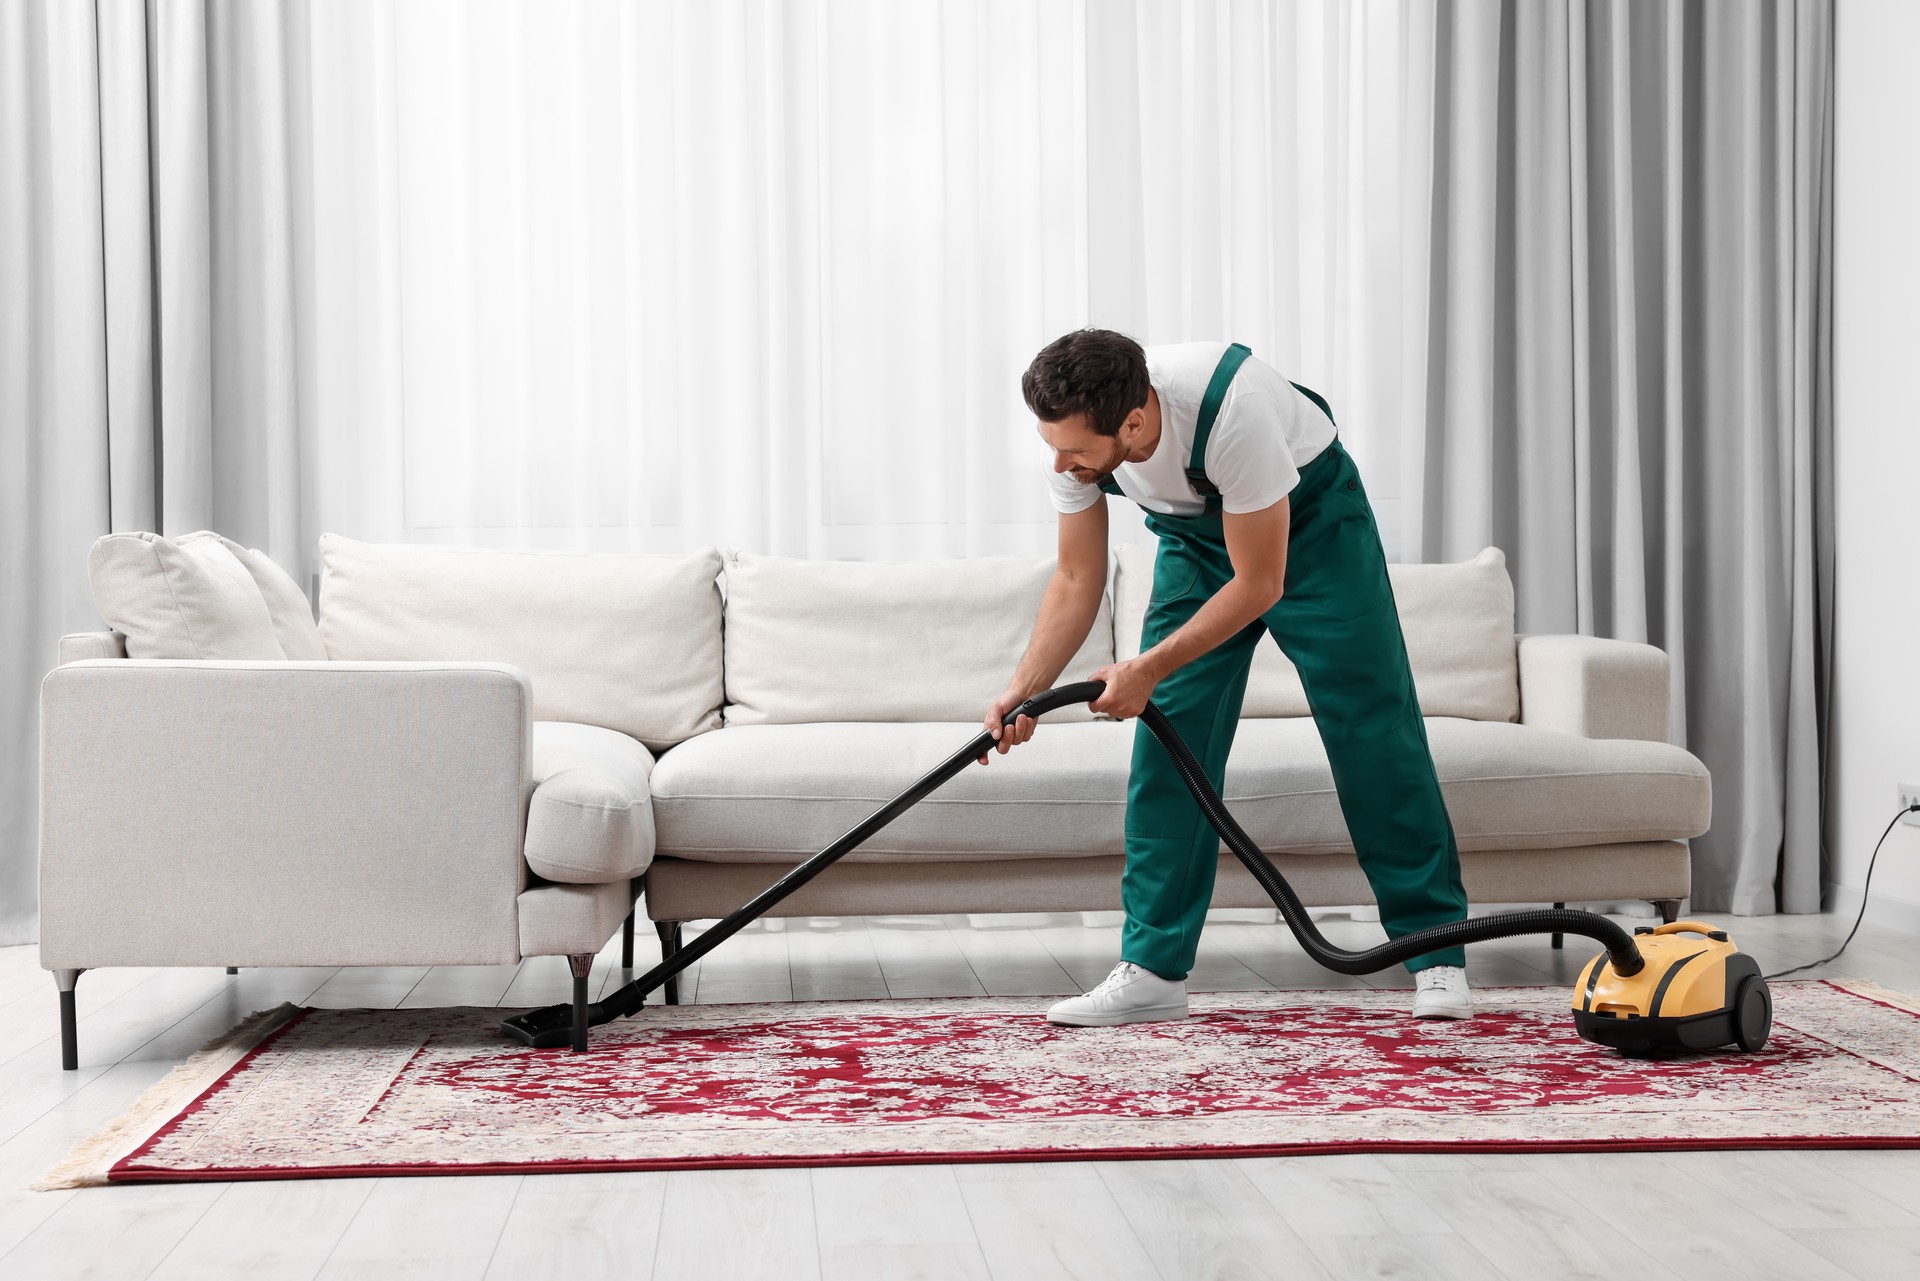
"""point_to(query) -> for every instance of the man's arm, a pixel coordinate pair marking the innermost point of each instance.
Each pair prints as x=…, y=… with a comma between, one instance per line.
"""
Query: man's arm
x=1066, y=615
x=1257, y=546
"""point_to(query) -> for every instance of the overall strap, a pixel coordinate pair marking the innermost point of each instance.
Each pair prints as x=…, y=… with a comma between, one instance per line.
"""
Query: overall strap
x=1317, y=399
x=1223, y=373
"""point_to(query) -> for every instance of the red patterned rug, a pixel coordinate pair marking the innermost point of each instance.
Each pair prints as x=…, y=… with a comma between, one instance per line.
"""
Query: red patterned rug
x=298, y=1093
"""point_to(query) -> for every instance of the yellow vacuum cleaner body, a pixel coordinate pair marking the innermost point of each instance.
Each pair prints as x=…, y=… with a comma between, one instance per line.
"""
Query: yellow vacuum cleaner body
x=1697, y=991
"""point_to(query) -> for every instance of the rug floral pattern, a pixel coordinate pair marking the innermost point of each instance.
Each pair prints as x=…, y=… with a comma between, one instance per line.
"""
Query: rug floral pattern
x=417, y=1091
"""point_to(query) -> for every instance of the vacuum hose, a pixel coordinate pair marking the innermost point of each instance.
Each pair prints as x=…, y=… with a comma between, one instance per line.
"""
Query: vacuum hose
x=1558, y=920
x=561, y=1024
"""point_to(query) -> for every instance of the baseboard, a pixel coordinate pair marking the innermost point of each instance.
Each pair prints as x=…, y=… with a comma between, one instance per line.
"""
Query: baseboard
x=1886, y=910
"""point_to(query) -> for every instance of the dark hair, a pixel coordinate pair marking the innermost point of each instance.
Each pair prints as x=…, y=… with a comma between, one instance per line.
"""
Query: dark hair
x=1095, y=372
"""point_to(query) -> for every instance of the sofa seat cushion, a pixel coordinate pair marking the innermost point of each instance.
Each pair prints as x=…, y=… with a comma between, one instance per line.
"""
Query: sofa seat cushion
x=567, y=920
x=775, y=793
x=591, y=817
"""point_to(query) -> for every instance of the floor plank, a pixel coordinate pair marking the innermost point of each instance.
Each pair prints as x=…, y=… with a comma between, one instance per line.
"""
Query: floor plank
x=577, y=1227
x=1204, y=1218
x=1791, y=1190
x=903, y=1263
x=1010, y=962
x=1431, y=1257
x=833, y=960
x=756, y=968
x=1867, y=1253
x=441, y=1225
x=1048, y=1227
x=918, y=957
x=1526, y=1226
x=1684, y=1215
x=271, y=1228
x=745, y=1224
x=1344, y=1194
x=127, y=1234
x=462, y=985
x=917, y=1205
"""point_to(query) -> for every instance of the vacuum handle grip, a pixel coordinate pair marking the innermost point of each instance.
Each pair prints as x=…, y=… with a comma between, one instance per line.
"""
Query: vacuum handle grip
x=1048, y=700
x=1685, y=927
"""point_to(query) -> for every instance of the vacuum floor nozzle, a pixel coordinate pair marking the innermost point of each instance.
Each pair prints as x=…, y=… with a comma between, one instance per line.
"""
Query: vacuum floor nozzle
x=544, y=1029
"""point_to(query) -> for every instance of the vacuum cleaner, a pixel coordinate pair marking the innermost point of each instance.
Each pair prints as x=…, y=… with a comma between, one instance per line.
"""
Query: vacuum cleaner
x=1672, y=988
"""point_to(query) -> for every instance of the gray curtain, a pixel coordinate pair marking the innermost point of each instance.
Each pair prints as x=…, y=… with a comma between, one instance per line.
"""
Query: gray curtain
x=1629, y=372
x=144, y=286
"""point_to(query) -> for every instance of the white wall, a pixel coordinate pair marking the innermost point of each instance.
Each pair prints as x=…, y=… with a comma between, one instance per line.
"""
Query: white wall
x=1876, y=302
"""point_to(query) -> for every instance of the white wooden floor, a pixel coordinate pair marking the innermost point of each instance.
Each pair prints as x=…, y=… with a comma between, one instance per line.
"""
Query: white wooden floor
x=1743, y=1216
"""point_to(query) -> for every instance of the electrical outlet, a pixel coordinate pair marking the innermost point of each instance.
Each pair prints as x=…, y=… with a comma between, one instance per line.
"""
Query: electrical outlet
x=1909, y=797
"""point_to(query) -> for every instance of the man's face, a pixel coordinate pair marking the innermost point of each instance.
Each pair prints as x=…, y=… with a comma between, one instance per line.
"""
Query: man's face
x=1083, y=453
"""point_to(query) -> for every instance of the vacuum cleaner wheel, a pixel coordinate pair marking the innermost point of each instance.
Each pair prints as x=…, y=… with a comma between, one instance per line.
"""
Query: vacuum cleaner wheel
x=1752, y=1013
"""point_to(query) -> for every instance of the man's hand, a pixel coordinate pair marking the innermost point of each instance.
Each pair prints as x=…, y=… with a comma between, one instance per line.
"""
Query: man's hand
x=1130, y=685
x=1019, y=732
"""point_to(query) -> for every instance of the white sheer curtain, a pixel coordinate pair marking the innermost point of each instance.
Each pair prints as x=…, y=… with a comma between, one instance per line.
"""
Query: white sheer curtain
x=595, y=274
x=646, y=276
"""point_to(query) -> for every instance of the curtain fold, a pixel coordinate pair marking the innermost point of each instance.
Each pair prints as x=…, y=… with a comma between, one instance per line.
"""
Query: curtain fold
x=1259, y=172
x=145, y=324
x=54, y=390
x=1628, y=370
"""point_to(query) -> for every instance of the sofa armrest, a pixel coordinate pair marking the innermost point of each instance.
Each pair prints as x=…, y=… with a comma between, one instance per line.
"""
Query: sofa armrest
x=1594, y=687
x=199, y=812
x=79, y=646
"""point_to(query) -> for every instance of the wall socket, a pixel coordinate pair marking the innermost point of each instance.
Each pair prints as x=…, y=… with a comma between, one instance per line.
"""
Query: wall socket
x=1910, y=796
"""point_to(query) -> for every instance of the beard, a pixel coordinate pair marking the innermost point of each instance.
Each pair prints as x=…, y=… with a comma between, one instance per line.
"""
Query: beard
x=1094, y=476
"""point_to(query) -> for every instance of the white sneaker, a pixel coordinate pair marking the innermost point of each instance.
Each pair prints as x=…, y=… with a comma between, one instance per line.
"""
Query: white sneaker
x=1128, y=995
x=1440, y=992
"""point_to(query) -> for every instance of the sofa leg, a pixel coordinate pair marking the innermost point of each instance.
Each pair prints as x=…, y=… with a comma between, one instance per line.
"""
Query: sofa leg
x=1669, y=909
x=581, y=963
x=669, y=932
x=626, y=942
x=1559, y=940
x=233, y=969
x=69, y=1020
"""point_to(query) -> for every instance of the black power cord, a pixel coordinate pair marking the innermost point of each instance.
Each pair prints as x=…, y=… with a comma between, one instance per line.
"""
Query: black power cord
x=1864, y=887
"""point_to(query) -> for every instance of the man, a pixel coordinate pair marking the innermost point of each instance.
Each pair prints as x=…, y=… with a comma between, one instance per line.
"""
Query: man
x=1263, y=528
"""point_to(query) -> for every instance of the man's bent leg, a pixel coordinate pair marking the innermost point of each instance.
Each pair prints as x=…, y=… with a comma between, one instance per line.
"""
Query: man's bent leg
x=1172, y=850
x=1396, y=816
x=1339, y=626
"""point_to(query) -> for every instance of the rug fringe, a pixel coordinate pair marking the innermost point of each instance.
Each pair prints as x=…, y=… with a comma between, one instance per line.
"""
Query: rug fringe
x=1878, y=992
x=88, y=1164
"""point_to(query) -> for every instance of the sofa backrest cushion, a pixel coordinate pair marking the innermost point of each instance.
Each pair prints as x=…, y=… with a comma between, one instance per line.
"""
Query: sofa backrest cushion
x=292, y=615
x=930, y=640
x=186, y=598
x=1457, y=619
x=629, y=642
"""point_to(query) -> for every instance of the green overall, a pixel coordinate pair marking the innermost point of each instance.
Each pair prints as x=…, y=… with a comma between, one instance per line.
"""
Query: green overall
x=1337, y=623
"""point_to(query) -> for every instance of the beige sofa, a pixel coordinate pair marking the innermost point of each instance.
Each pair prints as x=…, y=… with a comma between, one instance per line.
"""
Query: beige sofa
x=499, y=749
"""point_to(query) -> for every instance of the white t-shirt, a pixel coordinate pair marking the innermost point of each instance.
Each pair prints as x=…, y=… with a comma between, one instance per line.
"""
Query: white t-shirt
x=1265, y=432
